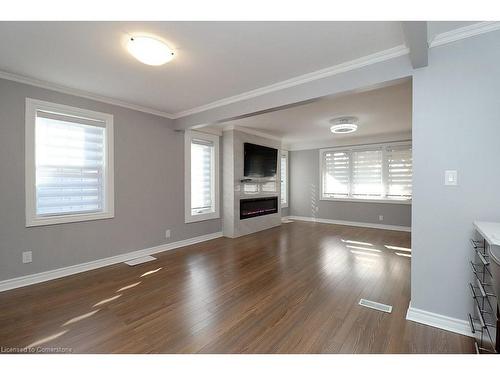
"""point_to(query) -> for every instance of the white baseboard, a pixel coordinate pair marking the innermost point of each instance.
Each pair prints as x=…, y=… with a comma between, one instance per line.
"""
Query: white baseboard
x=447, y=323
x=351, y=223
x=77, y=268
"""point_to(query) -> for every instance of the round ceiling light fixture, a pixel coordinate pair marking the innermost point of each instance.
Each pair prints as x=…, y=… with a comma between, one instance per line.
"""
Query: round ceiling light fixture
x=149, y=50
x=344, y=125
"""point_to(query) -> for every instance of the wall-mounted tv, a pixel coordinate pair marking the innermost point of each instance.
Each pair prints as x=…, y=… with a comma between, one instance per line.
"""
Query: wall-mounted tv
x=260, y=161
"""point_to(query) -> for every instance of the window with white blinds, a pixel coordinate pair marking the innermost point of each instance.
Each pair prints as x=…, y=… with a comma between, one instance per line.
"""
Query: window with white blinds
x=284, y=178
x=336, y=173
x=366, y=173
x=202, y=172
x=202, y=176
x=380, y=172
x=69, y=174
x=399, y=175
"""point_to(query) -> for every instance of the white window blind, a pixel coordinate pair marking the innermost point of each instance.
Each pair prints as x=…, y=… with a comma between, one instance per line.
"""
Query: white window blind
x=70, y=164
x=201, y=163
x=284, y=178
x=399, y=177
x=268, y=187
x=250, y=188
x=367, y=172
x=336, y=174
x=202, y=176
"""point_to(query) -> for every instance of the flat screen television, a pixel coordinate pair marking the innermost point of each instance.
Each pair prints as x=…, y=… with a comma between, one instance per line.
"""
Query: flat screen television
x=260, y=161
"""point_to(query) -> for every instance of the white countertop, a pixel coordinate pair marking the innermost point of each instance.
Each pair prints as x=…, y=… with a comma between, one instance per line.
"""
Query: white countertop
x=489, y=230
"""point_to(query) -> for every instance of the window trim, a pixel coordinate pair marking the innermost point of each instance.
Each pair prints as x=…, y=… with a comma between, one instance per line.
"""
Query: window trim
x=367, y=147
x=32, y=219
x=189, y=135
x=284, y=153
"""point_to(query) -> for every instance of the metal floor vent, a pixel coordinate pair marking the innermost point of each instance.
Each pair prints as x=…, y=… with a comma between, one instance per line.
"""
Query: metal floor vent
x=375, y=305
x=140, y=260
x=286, y=221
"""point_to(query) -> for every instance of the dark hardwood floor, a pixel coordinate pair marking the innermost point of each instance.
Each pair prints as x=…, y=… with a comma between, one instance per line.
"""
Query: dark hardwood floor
x=290, y=289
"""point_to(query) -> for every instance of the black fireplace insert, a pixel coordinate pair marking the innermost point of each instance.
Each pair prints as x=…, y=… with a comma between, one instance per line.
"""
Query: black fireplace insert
x=257, y=207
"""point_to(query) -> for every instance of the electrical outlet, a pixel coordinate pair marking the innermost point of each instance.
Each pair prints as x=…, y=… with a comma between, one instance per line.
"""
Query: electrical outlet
x=27, y=256
x=380, y=217
x=167, y=234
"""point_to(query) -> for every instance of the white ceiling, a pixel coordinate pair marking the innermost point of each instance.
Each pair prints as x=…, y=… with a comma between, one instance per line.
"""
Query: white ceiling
x=215, y=60
x=383, y=114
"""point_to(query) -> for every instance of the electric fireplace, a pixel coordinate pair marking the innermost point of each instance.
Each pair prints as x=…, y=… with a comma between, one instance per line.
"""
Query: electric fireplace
x=258, y=207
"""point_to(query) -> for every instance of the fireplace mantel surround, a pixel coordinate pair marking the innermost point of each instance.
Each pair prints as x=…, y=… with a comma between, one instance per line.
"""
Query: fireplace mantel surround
x=234, y=189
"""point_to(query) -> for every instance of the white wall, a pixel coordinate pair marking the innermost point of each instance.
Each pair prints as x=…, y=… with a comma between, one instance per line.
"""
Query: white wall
x=456, y=125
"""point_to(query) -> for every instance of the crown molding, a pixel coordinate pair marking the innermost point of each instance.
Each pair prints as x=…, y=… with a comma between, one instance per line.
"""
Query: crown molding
x=401, y=50
x=81, y=93
x=391, y=53
x=464, y=32
x=374, y=58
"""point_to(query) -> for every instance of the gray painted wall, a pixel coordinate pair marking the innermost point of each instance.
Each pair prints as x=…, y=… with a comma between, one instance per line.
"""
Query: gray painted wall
x=149, y=179
x=304, y=197
x=456, y=125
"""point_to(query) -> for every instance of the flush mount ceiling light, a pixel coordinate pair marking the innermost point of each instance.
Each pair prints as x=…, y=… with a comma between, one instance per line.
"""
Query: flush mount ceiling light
x=149, y=50
x=344, y=125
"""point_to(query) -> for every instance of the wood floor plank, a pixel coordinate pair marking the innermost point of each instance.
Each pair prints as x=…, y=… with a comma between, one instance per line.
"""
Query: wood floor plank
x=289, y=289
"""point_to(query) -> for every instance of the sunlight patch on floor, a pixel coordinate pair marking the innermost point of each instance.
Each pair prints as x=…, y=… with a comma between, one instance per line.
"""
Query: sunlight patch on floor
x=151, y=272
x=46, y=339
x=397, y=248
x=107, y=300
x=81, y=317
x=128, y=286
x=364, y=248
x=357, y=242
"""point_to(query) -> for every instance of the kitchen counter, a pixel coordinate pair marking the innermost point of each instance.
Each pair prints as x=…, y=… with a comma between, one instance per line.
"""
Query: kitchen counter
x=489, y=230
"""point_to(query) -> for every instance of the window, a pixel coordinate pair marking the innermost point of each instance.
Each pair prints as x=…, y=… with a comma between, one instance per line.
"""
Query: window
x=69, y=164
x=366, y=173
x=377, y=172
x=399, y=165
x=202, y=176
x=252, y=188
x=284, y=178
x=269, y=187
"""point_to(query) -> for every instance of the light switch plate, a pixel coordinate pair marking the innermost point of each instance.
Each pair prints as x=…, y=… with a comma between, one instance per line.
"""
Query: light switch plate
x=451, y=178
